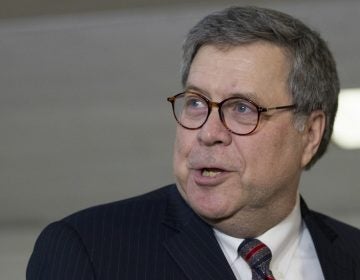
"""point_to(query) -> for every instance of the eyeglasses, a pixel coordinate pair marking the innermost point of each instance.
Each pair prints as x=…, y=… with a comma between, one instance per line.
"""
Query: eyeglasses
x=239, y=115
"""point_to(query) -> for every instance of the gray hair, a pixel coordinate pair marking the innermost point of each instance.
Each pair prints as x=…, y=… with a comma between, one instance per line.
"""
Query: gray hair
x=313, y=80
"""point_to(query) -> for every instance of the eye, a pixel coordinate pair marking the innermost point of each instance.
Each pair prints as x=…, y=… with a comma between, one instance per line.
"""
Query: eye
x=240, y=106
x=194, y=102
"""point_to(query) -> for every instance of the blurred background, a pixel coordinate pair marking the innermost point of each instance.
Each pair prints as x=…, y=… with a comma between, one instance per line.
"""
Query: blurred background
x=83, y=113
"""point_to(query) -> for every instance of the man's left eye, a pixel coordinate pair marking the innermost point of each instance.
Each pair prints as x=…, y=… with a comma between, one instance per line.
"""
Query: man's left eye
x=241, y=107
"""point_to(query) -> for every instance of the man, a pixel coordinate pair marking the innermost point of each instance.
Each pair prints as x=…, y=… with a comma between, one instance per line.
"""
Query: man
x=258, y=106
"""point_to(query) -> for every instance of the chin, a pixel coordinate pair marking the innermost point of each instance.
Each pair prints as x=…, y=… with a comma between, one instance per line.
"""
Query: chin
x=210, y=211
x=207, y=204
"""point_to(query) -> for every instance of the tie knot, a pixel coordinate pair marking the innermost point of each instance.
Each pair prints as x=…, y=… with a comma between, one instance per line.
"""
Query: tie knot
x=254, y=252
x=258, y=256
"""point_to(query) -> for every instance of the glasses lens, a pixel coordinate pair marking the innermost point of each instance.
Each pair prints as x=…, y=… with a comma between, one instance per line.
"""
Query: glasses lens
x=190, y=110
x=240, y=115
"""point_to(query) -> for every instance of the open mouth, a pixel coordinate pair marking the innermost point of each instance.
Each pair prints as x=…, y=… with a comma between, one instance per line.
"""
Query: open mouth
x=210, y=172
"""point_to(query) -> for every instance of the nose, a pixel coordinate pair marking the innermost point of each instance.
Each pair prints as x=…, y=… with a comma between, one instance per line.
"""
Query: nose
x=213, y=132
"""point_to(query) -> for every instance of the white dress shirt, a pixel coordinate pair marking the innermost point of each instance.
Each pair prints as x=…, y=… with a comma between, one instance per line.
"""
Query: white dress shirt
x=293, y=251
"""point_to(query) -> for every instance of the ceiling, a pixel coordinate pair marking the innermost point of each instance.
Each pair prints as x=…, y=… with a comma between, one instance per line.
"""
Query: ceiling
x=24, y=8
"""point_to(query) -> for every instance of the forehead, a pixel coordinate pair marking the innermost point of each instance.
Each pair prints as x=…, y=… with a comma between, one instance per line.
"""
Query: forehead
x=258, y=70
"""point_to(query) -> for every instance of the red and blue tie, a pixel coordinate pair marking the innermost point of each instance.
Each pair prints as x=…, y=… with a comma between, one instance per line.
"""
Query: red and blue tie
x=258, y=256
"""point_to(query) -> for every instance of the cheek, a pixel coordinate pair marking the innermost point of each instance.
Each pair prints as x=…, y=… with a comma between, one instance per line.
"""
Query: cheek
x=262, y=152
x=278, y=155
x=182, y=147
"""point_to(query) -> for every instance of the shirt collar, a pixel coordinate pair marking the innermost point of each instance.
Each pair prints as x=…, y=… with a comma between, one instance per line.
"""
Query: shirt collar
x=282, y=239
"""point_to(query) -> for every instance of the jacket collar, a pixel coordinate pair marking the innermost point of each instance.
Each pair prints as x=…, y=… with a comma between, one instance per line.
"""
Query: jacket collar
x=335, y=261
x=193, y=245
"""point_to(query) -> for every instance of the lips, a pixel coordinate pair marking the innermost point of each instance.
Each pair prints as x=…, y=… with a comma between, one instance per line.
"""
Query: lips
x=211, y=172
x=209, y=176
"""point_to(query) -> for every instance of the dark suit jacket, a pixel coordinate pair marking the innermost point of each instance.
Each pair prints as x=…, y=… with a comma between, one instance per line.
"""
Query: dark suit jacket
x=156, y=236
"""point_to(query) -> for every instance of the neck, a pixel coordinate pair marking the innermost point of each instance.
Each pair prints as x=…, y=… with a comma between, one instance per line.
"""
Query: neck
x=253, y=222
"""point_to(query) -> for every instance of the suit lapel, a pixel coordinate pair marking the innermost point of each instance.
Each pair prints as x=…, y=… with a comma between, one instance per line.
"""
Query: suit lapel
x=195, y=249
x=193, y=245
x=334, y=260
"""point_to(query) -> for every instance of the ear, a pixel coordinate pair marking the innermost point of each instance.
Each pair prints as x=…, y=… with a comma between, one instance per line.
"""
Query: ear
x=313, y=132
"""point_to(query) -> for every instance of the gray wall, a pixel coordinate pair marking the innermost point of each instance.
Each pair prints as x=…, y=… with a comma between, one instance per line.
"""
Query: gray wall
x=84, y=118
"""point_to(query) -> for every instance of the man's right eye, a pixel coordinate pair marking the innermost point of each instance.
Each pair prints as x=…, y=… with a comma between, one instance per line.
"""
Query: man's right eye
x=194, y=103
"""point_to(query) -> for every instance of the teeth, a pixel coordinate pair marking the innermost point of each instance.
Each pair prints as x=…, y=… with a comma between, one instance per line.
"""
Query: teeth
x=209, y=173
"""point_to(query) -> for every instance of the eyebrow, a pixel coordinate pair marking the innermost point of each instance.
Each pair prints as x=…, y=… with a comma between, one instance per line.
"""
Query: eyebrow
x=196, y=89
x=246, y=95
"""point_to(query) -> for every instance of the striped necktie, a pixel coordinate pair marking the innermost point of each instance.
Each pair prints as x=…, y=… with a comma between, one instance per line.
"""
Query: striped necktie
x=258, y=256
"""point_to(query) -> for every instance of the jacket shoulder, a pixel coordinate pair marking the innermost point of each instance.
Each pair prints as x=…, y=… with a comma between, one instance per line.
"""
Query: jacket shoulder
x=342, y=229
x=102, y=238
x=344, y=236
x=136, y=208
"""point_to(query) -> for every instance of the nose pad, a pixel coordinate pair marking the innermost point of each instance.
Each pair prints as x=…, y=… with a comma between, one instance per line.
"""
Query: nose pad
x=214, y=131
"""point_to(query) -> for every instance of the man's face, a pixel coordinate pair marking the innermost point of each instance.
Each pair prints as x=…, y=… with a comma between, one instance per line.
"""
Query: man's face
x=220, y=174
